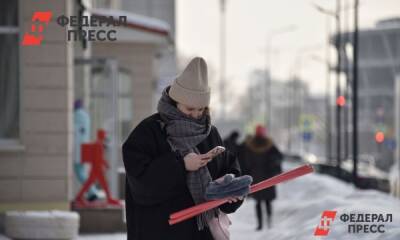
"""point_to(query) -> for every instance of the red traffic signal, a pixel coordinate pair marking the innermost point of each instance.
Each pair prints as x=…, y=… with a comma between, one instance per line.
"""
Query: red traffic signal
x=379, y=137
x=341, y=101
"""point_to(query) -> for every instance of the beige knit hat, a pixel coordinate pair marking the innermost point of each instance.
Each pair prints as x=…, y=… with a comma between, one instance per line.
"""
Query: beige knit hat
x=191, y=87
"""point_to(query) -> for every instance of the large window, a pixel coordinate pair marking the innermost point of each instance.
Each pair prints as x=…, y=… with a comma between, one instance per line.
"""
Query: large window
x=9, y=68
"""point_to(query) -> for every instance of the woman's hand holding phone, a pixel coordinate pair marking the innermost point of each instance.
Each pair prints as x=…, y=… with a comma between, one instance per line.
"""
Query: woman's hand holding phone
x=194, y=161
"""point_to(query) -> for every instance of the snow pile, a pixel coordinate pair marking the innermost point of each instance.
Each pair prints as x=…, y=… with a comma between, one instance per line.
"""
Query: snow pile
x=299, y=206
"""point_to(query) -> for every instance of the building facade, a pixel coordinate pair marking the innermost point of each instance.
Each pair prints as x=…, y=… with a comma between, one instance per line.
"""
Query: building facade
x=38, y=86
x=35, y=158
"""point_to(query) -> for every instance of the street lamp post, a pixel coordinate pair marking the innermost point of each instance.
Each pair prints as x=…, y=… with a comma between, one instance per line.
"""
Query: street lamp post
x=347, y=88
x=355, y=93
x=222, y=59
x=268, y=70
x=338, y=92
x=328, y=147
x=328, y=113
x=298, y=95
x=336, y=15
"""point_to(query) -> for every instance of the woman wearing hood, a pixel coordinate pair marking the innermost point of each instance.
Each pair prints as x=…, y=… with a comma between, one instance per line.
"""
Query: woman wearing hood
x=167, y=166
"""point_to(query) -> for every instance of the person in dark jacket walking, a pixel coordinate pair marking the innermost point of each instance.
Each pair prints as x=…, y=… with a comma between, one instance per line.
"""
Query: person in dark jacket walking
x=231, y=142
x=260, y=158
x=166, y=164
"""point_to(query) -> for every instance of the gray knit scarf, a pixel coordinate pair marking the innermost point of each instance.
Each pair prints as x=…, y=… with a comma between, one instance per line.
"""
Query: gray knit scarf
x=184, y=134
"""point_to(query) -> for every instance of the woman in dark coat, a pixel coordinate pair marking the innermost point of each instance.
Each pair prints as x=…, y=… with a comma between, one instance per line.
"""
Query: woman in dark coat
x=261, y=159
x=166, y=165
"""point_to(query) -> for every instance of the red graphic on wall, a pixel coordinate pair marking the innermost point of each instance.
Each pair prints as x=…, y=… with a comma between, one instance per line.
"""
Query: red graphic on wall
x=326, y=220
x=93, y=153
x=35, y=37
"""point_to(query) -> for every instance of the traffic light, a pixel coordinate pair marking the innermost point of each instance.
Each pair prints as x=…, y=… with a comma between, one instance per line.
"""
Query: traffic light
x=379, y=137
x=341, y=101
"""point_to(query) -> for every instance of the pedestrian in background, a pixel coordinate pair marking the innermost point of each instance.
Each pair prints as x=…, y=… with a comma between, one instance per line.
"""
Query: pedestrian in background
x=260, y=158
x=231, y=142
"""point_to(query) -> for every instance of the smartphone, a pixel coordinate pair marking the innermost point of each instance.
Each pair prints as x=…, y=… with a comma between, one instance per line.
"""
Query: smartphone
x=216, y=151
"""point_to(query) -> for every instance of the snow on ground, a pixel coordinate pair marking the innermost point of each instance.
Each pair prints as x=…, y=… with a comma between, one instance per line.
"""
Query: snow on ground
x=298, y=209
x=299, y=206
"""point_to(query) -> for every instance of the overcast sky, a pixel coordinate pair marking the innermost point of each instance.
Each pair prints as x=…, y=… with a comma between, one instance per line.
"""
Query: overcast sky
x=248, y=24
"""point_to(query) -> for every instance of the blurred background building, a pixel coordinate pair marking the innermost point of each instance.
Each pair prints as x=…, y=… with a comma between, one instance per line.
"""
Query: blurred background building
x=117, y=81
x=379, y=65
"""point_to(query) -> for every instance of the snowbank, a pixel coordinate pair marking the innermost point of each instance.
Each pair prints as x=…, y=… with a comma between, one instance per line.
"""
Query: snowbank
x=301, y=202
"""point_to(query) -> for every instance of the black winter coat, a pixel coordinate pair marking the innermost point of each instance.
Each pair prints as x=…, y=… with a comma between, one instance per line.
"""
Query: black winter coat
x=156, y=183
x=261, y=159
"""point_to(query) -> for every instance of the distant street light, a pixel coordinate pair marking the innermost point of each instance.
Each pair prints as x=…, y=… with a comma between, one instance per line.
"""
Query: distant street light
x=341, y=101
x=379, y=137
